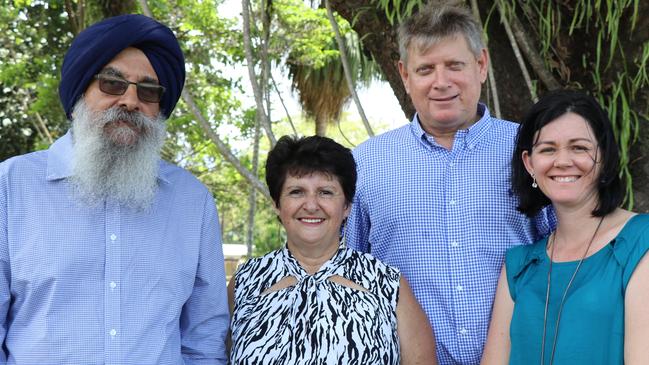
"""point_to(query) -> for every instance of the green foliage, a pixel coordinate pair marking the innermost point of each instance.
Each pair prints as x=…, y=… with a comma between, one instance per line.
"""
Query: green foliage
x=33, y=38
x=320, y=80
x=302, y=34
x=615, y=80
x=397, y=10
x=213, y=47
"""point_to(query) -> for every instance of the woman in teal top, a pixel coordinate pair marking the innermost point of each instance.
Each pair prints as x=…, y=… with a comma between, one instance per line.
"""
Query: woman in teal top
x=580, y=295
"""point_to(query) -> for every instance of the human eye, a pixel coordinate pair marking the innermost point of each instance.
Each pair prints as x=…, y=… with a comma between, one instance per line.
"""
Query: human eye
x=456, y=66
x=113, y=85
x=150, y=91
x=148, y=85
x=326, y=193
x=113, y=80
x=546, y=150
x=424, y=70
x=295, y=193
x=581, y=148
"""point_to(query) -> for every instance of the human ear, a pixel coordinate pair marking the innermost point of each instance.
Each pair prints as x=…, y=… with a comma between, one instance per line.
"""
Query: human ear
x=403, y=71
x=483, y=65
x=527, y=161
x=348, y=208
x=276, y=208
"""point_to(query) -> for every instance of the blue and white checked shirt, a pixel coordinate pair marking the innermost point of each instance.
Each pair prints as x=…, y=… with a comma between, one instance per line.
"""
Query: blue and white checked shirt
x=445, y=218
x=107, y=285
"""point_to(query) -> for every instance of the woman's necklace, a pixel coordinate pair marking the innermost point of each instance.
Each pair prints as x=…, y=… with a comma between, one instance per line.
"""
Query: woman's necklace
x=565, y=292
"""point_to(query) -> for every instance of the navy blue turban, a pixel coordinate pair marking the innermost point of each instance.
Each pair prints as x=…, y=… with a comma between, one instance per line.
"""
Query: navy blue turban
x=98, y=44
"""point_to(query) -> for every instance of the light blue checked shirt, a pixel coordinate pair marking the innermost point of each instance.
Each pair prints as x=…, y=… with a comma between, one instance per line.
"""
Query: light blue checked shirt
x=445, y=218
x=107, y=285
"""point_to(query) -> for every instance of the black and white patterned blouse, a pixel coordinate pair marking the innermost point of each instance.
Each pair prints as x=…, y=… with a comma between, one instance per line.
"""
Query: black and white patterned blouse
x=316, y=321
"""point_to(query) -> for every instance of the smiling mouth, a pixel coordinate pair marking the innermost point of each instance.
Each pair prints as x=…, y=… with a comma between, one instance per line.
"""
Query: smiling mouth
x=449, y=98
x=311, y=220
x=565, y=179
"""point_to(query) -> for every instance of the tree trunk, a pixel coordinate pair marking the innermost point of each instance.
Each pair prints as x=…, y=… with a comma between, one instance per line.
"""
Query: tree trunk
x=320, y=127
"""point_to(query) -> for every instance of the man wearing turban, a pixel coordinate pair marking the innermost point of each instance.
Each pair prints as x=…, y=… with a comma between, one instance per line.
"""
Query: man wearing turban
x=108, y=254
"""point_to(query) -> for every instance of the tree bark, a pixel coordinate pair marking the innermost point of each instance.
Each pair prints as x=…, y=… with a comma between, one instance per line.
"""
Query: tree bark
x=321, y=127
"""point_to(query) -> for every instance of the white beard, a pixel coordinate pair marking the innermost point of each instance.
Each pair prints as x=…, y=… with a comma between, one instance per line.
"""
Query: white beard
x=104, y=169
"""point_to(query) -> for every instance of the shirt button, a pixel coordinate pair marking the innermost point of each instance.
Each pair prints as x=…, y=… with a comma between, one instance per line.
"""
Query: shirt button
x=459, y=288
x=452, y=202
x=112, y=285
x=113, y=237
x=113, y=332
x=455, y=244
x=463, y=331
x=451, y=164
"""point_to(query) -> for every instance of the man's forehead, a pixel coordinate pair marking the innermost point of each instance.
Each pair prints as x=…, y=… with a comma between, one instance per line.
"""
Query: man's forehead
x=422, y=44
x=115, y=71
x=131, y=63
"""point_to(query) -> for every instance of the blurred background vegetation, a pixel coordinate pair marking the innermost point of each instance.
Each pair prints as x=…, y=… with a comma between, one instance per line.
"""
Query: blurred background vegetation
x=233, y=109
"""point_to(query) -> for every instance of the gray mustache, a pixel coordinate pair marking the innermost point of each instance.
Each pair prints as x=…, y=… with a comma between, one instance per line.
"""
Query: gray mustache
x=114, y=114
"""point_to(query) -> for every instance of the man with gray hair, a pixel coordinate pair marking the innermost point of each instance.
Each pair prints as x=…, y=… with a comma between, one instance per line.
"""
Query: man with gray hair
x=433, y=197
x=109, y=255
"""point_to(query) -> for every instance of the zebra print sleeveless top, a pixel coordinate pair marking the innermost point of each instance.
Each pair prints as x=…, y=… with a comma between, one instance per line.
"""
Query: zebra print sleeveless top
x=316, y=321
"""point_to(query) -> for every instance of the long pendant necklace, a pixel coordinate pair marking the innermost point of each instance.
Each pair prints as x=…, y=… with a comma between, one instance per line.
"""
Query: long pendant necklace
x=563, y=297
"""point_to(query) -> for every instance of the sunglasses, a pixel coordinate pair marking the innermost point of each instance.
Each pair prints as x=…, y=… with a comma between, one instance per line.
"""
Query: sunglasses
x=146, y=91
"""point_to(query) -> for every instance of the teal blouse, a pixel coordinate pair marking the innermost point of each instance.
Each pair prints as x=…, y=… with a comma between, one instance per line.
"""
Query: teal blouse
x=592, y=321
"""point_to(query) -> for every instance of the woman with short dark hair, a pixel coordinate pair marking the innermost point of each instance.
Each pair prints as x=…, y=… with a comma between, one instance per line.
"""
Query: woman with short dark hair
x=316, y=301
x=578, y=296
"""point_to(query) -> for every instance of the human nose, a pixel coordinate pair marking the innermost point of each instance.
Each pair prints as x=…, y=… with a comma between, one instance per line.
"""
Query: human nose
x=440, y=78
x=129, y=100
x=311, y=202
x=563, y=158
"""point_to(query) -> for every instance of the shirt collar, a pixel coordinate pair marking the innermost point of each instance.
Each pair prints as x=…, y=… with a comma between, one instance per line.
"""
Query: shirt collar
x=59, y=158
x=471, y=136
x=59, y=161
